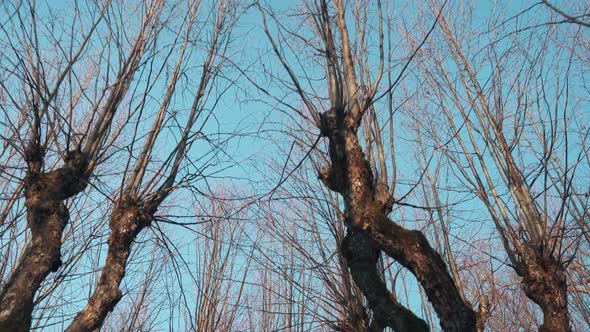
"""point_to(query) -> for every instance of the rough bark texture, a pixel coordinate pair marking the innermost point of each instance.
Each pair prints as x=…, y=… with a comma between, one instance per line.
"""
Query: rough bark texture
x=127, y=220
x=362, y=255
x=355, y=316
x=47, y=217
x=544, y=282
x=366, y=209
x=412, y=250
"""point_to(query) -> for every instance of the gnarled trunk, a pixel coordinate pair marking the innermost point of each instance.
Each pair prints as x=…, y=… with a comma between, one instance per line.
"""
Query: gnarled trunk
x=411, y=249
x=43, y=256
x=544, y=282
x=366, y=208
x=47, y=216
x=362, y=256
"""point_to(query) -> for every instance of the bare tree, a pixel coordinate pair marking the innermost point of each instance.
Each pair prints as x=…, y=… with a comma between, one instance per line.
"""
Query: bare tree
x=413, y=165
x=47, y=190
x=367, y=197
x=529, y=195
x=54, y=128
x=135, y=209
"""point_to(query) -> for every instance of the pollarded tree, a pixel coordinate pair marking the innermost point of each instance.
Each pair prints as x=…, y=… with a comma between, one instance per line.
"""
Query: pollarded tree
x=71, y=97
x=516, y=142
x=363, y=184
x=35, y=85
x=141, y=196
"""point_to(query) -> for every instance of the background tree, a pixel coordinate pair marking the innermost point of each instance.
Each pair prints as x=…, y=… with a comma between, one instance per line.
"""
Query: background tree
x=512, y=128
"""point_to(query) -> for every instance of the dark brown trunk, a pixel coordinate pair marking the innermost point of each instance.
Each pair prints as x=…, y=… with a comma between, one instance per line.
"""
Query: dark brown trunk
x=366, y=209
x=544, y=282
x=47, y=217
x=412, y=250
x=362, y=255
x=42, y=257
x=355, y=316
x=127, y=220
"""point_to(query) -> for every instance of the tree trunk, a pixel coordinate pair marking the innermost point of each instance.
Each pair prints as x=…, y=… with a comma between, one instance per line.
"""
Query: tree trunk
x=127, y=220
x=366, y=209
x=42, y=257
x=47, y=216
x=361, y=256
x=412, y=250
x=544, y=282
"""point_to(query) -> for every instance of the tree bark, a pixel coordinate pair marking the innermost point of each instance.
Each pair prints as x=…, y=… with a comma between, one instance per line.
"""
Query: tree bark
x=361, y=255
x=544, y=282
x=47, y=216
x=127, y=220
x=366, y=209
x=412, y=250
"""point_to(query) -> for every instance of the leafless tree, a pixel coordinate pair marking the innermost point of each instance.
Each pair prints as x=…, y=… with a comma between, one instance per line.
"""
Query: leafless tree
x=67, y=130
x=47, y=190
x=399, y=166
x=503, y=144
x=364, y=186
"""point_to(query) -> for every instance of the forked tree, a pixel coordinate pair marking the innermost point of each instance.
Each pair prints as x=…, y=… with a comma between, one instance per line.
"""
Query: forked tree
x=367, y=196
x=65, y=126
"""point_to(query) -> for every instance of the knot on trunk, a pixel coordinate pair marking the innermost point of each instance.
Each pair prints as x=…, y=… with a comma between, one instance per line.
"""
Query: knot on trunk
x=330, y=179
x=544, y=282
x=75, y=172
x=76, y=159
x=128, y=219
x=544, y=277
x=59, y=184
x=330, y=123
x=45, y=217
x=34, y=155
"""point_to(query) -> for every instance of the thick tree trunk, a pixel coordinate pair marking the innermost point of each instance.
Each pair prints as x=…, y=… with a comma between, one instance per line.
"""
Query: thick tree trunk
x=544, y=282
x=42, y=257
x=412, y=250
x=127, y=220
x=355, y=316
x=361, y=256
x=366, y=208
x=47, y=217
